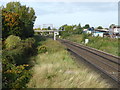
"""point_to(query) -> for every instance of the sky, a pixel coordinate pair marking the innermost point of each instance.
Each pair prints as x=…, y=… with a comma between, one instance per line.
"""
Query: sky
x=61, y=12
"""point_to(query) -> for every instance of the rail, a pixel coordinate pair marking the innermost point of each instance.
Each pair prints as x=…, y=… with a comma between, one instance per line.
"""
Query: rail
x=107, y=63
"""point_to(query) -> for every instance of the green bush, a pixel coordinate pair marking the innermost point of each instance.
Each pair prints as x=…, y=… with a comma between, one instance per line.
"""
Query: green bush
x=19, y=54
x=15, y=76
x=12, y=41
x=42, y=49
x=30, y=41
x=16, y=56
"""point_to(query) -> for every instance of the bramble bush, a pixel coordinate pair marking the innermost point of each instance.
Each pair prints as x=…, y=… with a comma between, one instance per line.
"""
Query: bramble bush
x=15, y=76
x=15, y=73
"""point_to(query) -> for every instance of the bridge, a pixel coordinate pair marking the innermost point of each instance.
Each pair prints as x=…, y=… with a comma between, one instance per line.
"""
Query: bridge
x=56, y=32
x=48, y=30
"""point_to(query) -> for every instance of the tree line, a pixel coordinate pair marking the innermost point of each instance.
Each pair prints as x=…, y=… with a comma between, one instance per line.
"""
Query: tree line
x=77, y=29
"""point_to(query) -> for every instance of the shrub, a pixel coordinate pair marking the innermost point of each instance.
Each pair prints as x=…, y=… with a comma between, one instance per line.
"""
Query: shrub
x=16, y=56
x=30, y=41
x=15, y=76
x=19, y=54
x=42, y=49
x=12, y=41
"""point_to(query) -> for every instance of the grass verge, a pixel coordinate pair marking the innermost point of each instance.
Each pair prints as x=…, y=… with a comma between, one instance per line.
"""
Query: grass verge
x=108, y=45
x=56, y=69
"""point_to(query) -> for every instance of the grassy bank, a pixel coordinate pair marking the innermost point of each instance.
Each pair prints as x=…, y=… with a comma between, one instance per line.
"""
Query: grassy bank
x=55, y=68
x=108, y=45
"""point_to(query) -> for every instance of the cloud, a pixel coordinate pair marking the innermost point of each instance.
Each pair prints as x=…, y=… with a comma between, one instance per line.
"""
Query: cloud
x=45, y=8
x=67, y=8
x=62, y=0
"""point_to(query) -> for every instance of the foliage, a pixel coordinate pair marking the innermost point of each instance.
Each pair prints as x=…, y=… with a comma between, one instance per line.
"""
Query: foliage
x=18, y=20
x=78, y=29
x=11, y=24
x=99, y=27
x=44, y=29
x=19, y=54
x=30, y=42
x=42, y=49
x=69, y=30
x=49, y=28
x=112, y=25
x=15, y=76
x=37, y=29
x=12, y=41
x=86, y=26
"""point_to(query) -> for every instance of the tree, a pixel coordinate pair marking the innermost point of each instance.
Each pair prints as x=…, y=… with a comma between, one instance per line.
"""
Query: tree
x=99, y=27
x=79, y=26
x=26, y=15
x=112, y=25
x=49, y=28
x=78, y=29
x=11, y=24
x=86, y=26
x=63, y=27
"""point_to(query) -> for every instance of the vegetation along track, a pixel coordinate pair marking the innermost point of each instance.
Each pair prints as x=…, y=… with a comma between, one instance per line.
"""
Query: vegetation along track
x=108, y=64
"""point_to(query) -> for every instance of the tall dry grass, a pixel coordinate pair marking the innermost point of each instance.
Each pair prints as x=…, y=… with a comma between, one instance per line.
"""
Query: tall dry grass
x=57, y=69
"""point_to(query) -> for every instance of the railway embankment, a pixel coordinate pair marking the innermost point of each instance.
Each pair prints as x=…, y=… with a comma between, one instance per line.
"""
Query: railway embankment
x=56, y=68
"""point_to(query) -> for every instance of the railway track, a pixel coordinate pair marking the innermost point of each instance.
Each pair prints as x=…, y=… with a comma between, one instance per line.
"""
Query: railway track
x=107, y=63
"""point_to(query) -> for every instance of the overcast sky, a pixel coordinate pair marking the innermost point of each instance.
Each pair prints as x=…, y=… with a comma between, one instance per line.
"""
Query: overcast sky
x=60, y=13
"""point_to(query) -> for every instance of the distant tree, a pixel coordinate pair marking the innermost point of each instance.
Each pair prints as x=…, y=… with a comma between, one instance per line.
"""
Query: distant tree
x=79, y=26
x=49, y=28
x=112, y=25
x=68, y=30
x=63, y=27
x=44, y=29
x=38, y=28
x=86, y=26
x=99, y=27
x=78, y=29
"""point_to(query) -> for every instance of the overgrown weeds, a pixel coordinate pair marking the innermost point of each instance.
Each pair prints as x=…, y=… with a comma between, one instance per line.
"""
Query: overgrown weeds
x=56, y=69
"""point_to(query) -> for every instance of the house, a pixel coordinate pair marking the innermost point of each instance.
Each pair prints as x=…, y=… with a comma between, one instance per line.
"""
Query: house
x=89, y=30
x=96, y=33
x=114, y=31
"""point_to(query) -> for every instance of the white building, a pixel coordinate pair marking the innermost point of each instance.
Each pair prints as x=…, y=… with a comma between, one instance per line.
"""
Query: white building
x=114, y=30
x=88, y=31
x=100, y=34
